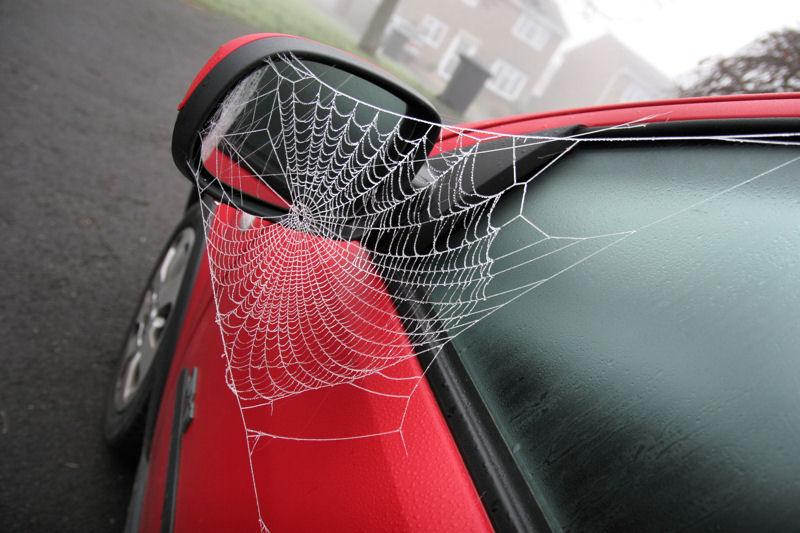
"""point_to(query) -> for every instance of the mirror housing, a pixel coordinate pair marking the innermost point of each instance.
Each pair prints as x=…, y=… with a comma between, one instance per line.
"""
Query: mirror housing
x=237, y=60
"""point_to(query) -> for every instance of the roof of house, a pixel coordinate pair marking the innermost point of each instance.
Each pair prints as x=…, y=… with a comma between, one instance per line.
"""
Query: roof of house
x=610, y=46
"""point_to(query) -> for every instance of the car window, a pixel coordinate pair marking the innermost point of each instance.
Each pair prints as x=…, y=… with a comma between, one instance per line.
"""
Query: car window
x=650, y=378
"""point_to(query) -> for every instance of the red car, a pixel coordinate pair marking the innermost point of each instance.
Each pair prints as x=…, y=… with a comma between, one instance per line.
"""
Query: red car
x=370, y=321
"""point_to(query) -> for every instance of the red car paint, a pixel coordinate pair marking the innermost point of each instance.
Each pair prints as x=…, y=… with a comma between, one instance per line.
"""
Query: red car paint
x=393, y=482
x=220, y=54
x=234, y=175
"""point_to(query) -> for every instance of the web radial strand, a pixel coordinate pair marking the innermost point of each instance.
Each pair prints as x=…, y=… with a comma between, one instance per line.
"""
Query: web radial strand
x=320, y=296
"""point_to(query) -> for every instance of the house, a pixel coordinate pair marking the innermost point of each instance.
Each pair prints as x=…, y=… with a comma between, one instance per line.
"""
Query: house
x=518, y=42
x=513, y=39
x=602, y=71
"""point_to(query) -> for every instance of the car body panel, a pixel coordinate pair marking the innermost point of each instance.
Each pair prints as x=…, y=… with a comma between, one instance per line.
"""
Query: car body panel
x=389, y=480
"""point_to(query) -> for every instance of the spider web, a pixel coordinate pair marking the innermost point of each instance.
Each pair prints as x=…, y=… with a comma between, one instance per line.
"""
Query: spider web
x=384, y=254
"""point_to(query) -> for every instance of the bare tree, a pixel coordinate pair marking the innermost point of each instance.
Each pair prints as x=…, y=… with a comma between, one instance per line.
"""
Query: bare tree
x=371, y=39
x=769, y=64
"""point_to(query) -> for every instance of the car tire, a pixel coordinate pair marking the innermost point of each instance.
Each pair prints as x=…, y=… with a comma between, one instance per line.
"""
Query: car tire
x=151, y=337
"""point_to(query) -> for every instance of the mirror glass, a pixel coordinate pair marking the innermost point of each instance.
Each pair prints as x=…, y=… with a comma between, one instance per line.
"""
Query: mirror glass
x=297, y=132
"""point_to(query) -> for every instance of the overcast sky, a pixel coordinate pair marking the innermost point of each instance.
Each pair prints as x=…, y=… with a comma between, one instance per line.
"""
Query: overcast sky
x=675, y=35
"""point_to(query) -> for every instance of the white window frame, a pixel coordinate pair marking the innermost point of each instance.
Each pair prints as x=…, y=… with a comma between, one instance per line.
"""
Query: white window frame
x=432, y=31
x=531, y=31
x=507, y=80
x=462, y=43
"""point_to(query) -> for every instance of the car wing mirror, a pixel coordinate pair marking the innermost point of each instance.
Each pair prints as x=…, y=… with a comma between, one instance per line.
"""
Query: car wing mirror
x=275, y=122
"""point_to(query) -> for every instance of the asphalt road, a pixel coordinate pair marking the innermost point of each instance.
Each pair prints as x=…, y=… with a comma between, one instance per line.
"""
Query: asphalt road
x=88, y=195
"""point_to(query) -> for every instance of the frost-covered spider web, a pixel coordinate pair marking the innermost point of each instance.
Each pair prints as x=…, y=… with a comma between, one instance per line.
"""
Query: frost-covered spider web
x=385, y=249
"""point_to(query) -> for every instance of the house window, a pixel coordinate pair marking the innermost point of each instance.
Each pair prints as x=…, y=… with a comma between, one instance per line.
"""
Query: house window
x=507, y=80
x=531, y=32
x=463, y=43
x=432, y=31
